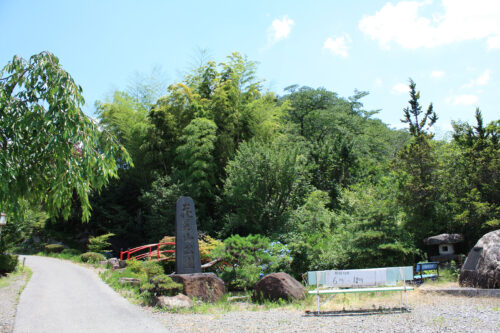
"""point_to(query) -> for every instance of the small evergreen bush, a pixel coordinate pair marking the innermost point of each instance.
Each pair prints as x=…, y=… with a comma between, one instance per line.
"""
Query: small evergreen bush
x=92, y=257
x=246, y=259
x=8, y=263
x=156, y=283
x=54, y=248
x=100, y=244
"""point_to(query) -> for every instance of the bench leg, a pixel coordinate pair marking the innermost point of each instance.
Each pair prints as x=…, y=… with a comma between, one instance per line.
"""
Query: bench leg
x=406, y=298
x=401, y=301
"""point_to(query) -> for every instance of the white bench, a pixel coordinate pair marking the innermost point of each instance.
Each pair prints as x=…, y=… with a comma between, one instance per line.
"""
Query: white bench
x=361, y=280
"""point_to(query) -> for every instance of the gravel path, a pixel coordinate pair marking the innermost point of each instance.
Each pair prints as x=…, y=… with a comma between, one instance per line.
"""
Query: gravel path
x=434, y=314
x=64, y=297
x=8, y=301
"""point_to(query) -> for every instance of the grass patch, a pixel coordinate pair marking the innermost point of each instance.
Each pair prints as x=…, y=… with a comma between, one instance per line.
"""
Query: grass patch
x=29, y=274
x=71, y=255
x=6, y=280
x=130, y=292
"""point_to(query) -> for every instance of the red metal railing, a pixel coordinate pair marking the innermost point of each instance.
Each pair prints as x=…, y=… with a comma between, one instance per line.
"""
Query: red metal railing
x=150, y=253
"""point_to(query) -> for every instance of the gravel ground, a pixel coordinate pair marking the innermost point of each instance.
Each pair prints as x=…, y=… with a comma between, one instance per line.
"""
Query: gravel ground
x=8, y=301
x=428, y=314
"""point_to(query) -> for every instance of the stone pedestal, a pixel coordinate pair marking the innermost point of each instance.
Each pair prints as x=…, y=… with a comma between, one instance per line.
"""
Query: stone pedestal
x=205, y=286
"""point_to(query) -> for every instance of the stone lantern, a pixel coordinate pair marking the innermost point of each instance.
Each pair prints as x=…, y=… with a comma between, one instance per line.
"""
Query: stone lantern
x=445, y=243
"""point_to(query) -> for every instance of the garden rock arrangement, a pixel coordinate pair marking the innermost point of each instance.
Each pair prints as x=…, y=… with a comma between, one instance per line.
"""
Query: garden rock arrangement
x=277, y=286
x=205, y=286
x=482, y=266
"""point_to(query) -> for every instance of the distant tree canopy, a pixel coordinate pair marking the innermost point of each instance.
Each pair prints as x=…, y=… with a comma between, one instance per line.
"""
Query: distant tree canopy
x=309, y=169
x=49, y=149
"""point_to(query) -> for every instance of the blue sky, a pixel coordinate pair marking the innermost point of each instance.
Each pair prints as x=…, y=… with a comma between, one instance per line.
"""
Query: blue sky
x=451, y=48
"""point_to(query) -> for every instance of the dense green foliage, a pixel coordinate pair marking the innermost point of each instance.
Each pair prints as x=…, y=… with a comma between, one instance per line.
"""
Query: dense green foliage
x=8, y=263
x=99, y=244
x=92, y=257
x=310, y=169
x=49, y=149
x=244, y=258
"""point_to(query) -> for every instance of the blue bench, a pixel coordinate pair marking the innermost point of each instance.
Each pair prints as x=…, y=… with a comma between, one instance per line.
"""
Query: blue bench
x=422, y=267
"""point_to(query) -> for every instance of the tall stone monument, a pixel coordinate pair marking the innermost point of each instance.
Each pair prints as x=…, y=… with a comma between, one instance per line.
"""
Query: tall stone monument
x=187, y=254
x=205, y=286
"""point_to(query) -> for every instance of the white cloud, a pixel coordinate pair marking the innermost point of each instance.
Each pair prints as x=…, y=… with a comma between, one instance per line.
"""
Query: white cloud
x=400, y=88
x=437, y=74
x=482, y=80
x=462, y=100
x=378, y=82
x=338, y=45
x=280, y=29
x=494, y=42
x=461, y=20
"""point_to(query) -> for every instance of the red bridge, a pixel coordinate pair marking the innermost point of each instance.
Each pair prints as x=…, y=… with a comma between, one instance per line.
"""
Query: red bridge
x=152, y=251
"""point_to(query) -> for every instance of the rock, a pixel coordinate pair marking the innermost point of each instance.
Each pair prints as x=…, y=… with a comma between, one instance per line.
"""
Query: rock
x=205, y=286
x=116, y=264
x=482, y=266
x=131, y=281
x=103, y=262
x=444, y=239
x=179, y=301
x=279, y=285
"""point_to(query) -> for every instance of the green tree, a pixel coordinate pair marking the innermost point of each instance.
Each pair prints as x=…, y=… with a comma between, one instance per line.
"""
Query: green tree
x=49, y=149
x=196, y=162
x=265, y=183
x=374, y=224
x=416, y=167
x=474, y=171
x=311, y=236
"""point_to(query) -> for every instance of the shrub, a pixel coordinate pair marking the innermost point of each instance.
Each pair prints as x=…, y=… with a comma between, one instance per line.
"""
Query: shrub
x=207, y=246
x=245, y=258
x=72, y=252
x=8, y=263
x=54, y=248
x=99, y=244
x=156, y=282
x=92, y=257
x=135, y=265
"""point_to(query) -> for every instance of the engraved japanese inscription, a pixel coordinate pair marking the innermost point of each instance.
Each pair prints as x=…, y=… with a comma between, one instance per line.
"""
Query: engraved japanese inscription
x=187, y=253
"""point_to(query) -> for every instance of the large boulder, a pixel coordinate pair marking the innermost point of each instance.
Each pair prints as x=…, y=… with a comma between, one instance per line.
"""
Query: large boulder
x=277, y=286
x=482, y=266
x=179, y=301
x=205, y=286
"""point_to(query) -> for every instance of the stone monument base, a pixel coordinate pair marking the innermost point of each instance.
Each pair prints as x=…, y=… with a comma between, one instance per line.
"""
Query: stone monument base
x=205, y=286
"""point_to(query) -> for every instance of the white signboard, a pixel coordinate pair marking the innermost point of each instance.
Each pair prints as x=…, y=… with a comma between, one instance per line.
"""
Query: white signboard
x=356, y=278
